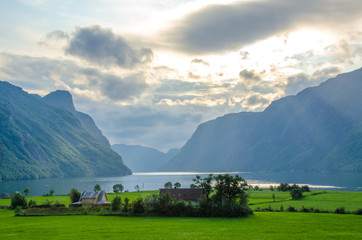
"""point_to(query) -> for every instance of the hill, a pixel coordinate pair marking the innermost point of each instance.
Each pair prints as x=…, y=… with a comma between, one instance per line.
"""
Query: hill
x=318, y=130
x=38, y=140
x=143, y=159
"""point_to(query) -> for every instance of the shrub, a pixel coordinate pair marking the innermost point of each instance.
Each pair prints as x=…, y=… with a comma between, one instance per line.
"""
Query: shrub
x=18, y=200
x=31, y=203
x=18, y=211
x=291, y=209
x=282, y=208
x=116, y=203
x=358, y=211
x=138, y=206
x=340, y=210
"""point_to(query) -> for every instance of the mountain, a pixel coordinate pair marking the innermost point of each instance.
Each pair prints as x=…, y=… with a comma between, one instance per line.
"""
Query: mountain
x=61, y=98
x=38, y=140
x=143, y=159
x=318, y=130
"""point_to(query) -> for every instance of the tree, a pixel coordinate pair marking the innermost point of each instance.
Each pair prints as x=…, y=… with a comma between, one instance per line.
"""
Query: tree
x=26, y=191
x=205, y=184
x=168, y=185
x=18, y=200
x=296, y=193
x=97, y=187
x=117, y=188
x=137, y=188
x=177, y=185
x=125, y=207
x=305, y=188
x=230, y=188
x=116, y=203
x=74, y=195
x=51, y=192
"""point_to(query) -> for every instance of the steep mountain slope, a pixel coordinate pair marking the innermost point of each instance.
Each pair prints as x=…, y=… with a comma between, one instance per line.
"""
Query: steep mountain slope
x=61, y=98
x=38, y=140
x=143, y=159
x=317, y=130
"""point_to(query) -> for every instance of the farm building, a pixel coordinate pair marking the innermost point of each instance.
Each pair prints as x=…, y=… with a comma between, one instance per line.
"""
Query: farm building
x=98, y=198
x=186, y=194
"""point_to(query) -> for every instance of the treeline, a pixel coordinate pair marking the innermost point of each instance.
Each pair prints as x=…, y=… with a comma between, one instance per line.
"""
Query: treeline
x=222, y=196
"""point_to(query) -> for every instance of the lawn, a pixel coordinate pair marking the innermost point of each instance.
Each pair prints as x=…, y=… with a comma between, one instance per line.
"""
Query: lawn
x=262, y=225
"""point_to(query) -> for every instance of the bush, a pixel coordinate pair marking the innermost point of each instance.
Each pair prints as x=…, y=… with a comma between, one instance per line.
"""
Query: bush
x=138, y=206
x=18, y=200
x=358, y=211
x=18, y=211
x=31, y=203
x=340, y=210
x=116, y=203
x=291, y=209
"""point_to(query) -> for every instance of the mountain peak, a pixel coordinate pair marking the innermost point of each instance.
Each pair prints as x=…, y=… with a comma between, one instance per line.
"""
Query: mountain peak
x=60, y=98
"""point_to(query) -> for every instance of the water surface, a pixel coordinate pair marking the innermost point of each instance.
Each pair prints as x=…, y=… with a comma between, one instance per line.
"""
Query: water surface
x=156, y=180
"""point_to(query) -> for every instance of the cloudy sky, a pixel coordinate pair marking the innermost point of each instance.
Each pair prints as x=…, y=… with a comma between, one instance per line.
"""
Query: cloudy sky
x=149, y=72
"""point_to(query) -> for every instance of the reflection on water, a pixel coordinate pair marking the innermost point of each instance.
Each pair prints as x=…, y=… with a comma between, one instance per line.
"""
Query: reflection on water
x=153, y=181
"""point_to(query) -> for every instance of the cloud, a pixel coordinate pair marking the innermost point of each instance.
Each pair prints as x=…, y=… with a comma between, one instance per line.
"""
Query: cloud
x=101, y=46
x=220, y=28
x=298, y=82
x=198, y=60
x=50, y=74
x=55, y=36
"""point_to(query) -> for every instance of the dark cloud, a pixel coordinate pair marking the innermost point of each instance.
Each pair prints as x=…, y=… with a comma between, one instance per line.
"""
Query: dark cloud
x=198, y=60
x=44, y=73
x=101, y=46
x=249, y=75
x=219, y=28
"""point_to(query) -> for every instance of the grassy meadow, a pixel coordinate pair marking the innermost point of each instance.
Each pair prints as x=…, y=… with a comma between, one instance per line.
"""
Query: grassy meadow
x=262, y=225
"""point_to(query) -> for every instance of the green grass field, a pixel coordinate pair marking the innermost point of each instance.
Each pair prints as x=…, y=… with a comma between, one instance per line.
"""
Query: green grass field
x=323, y=200
x=262, y=225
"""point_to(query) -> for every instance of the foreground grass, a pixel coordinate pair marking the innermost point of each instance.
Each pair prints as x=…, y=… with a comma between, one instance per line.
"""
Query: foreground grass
x=263, y=225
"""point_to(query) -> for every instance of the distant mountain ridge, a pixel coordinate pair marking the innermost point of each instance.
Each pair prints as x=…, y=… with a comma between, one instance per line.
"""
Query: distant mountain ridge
x=39, y=140
x=143, y=159
x=318, y=130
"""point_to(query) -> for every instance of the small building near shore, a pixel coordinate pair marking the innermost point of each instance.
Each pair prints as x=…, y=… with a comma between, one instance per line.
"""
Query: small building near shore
x=97, y=198
x=186, y=194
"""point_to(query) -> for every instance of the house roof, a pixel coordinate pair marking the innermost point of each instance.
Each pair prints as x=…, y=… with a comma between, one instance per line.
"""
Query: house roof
x=187, y=194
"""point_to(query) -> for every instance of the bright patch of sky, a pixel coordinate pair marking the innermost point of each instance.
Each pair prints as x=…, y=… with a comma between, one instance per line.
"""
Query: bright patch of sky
x=149, y=72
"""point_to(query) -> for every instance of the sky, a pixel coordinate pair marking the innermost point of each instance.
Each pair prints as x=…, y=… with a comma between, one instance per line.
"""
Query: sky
x=149, y=72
